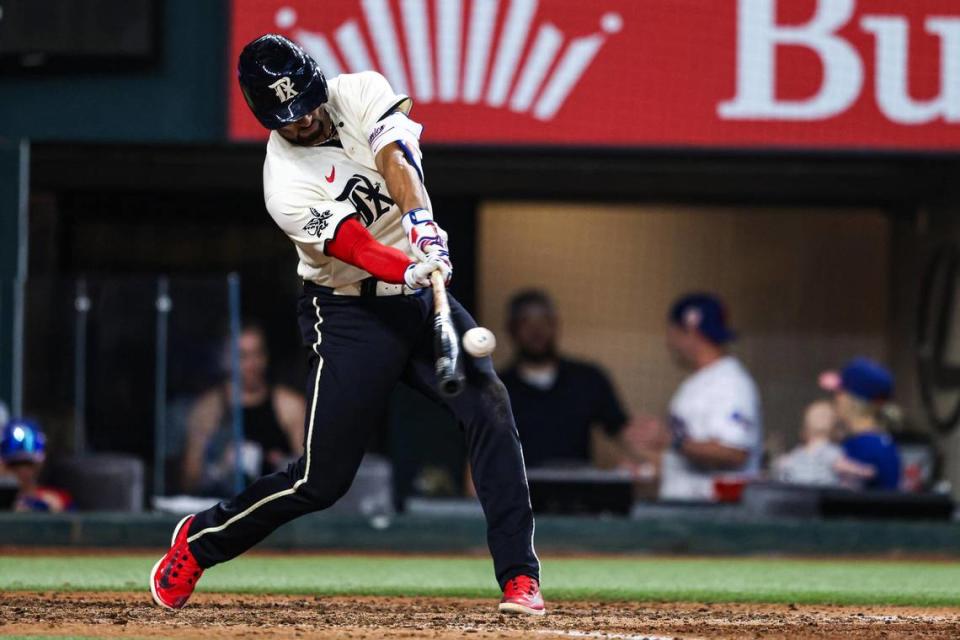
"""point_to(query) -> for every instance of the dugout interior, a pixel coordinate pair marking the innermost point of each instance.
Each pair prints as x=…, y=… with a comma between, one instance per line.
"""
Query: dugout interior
x=820, y=256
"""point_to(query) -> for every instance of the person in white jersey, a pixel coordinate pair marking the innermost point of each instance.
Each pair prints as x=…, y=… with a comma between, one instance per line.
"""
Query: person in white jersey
x=715, y=422
x=343, y=178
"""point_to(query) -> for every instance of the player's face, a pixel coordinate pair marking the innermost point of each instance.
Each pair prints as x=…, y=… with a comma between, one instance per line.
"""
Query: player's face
x=314, y=128
x=535, y=333
x=680, y=345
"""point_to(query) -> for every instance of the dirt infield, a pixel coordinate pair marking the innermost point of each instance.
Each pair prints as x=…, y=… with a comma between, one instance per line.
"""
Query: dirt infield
x=281, y=617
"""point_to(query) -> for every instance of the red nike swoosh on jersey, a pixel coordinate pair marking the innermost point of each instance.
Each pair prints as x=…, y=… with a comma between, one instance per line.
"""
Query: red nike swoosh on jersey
x=333, y=174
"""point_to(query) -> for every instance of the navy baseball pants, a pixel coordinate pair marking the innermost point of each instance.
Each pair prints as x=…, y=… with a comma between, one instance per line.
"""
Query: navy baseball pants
x=359, y=348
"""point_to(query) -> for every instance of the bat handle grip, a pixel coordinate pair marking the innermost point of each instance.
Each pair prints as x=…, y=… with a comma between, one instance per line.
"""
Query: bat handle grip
x=440, y=302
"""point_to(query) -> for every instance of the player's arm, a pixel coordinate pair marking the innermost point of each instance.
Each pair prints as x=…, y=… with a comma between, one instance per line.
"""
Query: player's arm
x=397, y=163
x=395, y=143
x=331, y=228
x=354, y=245
x=402, y=175
x=725, y=439
x=713, y=455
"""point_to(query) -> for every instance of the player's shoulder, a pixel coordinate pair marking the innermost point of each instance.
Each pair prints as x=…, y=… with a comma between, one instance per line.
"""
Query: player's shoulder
x=346, y=82
x=733, y=373
x=355, y=92
x=356, y=84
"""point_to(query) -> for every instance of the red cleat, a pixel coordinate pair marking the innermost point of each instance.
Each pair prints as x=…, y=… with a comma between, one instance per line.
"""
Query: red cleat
x=522, y=595
x=175, y=575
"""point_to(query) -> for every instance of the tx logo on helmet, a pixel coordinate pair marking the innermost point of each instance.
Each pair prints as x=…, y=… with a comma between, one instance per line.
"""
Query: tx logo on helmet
x=366, y=197
x=284, y=89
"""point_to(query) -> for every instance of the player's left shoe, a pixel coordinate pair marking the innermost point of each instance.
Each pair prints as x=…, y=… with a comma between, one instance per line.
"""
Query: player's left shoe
x=522, y=595
x=175, y=575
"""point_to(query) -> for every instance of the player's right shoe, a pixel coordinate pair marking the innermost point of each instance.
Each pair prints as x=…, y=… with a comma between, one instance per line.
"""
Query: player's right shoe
x=522, y=595
x=175, y=575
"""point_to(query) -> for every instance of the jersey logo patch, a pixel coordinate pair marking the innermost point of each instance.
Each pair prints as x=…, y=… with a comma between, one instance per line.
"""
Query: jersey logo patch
x=333, y=174
x=742, y=420
x=318, y=223
x=366, y=197
x=376, y=132
x=284, y=89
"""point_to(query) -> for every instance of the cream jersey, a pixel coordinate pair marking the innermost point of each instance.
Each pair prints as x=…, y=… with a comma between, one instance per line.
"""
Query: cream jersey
x=310, y=191
x=719, y=402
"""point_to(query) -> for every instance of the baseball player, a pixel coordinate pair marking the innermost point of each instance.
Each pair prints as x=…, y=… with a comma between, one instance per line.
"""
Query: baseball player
x=343, y=178
x=715, y=417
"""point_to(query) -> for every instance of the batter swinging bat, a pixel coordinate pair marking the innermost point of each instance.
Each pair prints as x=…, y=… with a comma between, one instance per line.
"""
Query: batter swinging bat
x=446, y=342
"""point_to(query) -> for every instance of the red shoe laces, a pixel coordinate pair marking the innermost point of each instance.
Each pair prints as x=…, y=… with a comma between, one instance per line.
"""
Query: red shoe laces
x=527, y=583
x=192, y=567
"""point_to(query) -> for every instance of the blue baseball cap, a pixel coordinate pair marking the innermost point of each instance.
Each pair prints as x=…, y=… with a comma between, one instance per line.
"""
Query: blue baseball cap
x=705, y=313
x=860, y=377
x=22, y=441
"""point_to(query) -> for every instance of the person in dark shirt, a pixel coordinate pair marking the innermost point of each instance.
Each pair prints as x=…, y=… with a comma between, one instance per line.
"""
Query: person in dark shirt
x=556, y=400
x=273, y=418
x=860, y=391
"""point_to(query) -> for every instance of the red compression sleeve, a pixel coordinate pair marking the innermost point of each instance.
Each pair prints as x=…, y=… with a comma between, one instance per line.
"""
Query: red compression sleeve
x=354, y=245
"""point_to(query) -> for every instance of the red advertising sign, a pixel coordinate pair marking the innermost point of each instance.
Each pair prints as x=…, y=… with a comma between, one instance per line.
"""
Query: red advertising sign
x=838, y=74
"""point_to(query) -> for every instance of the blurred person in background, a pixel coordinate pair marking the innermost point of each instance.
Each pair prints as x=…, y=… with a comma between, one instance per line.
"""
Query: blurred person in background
x=819, y=460
x=22, y=451
x=556, y=400
x=861, y=392
x=714, y=429
x=812, y=462
x=273, y=418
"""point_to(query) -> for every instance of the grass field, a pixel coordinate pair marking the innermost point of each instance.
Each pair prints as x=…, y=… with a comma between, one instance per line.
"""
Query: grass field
x=630, y=578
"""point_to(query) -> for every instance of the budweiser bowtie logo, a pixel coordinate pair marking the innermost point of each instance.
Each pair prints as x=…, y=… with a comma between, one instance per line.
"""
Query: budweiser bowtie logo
x=436, y=67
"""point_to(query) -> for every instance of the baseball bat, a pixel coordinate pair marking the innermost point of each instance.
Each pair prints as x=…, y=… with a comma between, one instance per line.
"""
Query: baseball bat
x=446, y=342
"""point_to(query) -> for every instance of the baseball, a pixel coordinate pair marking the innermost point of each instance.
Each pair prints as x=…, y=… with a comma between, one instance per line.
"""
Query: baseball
x=479, y=342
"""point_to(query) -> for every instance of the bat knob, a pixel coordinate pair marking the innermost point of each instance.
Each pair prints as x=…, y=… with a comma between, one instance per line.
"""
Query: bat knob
x=451, y=388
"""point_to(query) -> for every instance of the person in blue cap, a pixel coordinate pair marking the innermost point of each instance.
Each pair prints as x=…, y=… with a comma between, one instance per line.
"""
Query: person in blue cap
x=23, y=450
x=860, y=392
x=715, y=420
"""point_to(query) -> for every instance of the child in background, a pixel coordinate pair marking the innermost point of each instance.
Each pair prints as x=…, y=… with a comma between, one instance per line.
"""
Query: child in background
x=813, y=462
x=22, y=450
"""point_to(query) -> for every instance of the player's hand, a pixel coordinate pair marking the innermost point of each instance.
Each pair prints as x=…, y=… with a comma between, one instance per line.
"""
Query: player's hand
x=417, y=275
x=425, y=236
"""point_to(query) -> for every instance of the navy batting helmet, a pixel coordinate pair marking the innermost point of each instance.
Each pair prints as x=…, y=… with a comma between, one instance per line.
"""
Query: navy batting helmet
x=279, y=81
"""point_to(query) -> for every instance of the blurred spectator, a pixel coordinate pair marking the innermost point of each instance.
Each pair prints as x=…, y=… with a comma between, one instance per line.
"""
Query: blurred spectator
x=556, y=400
x=861, y=390
x=22, y=451
x=714, y=426
x=814, y=461
x=273, y=417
